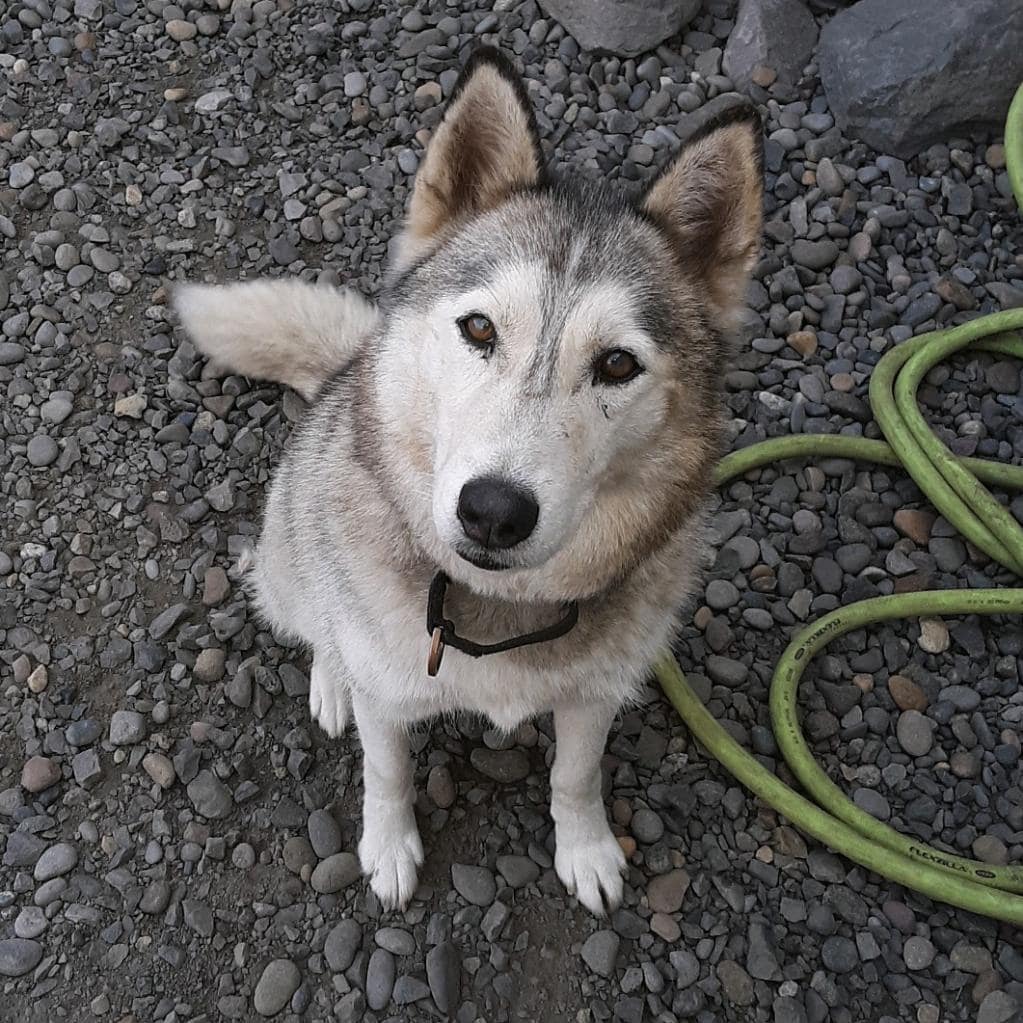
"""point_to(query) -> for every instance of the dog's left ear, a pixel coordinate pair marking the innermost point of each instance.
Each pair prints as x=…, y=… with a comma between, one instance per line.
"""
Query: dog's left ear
x=485, y=148
x=709, y=200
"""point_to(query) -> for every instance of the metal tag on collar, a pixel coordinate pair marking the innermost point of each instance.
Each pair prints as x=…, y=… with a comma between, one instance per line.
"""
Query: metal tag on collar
x=442, y=631
x=436, y=652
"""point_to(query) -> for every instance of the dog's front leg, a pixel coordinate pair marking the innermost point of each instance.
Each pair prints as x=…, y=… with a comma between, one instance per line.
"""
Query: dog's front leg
x=588, y=858
x=390, y=850
x=329, y=699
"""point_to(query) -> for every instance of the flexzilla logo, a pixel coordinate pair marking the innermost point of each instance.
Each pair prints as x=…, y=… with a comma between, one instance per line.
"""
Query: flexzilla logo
x=942, y=861
x=820, y=631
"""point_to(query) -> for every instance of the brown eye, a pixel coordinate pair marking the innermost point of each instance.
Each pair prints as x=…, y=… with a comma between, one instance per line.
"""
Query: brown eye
x=478, y=330
x=616, y=367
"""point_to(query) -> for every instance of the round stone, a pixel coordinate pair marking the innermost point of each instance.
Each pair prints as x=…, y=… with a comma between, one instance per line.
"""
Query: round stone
x=42, y=450
x=443, y=972
x=666, y=892
x=396, y=940
x=380, y=976
x=180, y=30
x=839, y=954
x=965, y=699
x=83, y=732
x=127, y=727
x=341, y=945
x=914, y=733
x=324, y=833
x=934, y=637
x=39, y=773
x=209, y=665
x=277, y=983
x=160, y=769
x=56, y=409
x=665, y=927
x=440, y=786
x=58, y=860
x=845, y=279
x=814, y=255
x=873, y=802
x=30, y=922
x=298, y=853
x=11, y=353
x=647, y=826
x=19, y=956
x=906, y=693
x=20, y=174
x=990, y=849
x=354, y=84
x=918, y=953
x=721, y=594
x=335, y=873
x=474, y=884
x=998, y=1007
x=104, y=260
x=243, y=856
x=965, y=764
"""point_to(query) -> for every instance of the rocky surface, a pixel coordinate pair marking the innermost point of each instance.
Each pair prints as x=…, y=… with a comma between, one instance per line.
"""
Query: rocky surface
x=772, y=39
x=176, y=837
x=625, y=27
x=902, y=76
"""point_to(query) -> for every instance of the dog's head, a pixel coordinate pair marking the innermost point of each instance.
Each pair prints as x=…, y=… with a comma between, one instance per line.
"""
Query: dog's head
x=552, y=353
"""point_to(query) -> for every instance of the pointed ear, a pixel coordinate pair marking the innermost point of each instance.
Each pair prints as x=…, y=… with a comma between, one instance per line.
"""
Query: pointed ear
x=709, y=200
x=485, y=148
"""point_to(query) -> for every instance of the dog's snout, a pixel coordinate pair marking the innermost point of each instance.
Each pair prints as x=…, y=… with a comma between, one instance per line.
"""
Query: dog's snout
x=496, y=513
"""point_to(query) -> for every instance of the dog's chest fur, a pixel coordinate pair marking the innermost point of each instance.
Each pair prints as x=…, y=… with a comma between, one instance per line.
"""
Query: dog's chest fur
x=337, y=568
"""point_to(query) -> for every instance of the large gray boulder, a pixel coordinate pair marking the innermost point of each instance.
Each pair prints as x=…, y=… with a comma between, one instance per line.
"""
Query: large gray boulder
x=777, y=34
x=904, y=74
x=625, y=27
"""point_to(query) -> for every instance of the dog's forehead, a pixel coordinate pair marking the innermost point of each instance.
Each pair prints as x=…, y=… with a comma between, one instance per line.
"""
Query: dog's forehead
x=574, y=234
x=572, y=257
x=574, y=237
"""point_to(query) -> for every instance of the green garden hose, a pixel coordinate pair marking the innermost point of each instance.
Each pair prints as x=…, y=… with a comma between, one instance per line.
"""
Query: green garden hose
x=955, y=486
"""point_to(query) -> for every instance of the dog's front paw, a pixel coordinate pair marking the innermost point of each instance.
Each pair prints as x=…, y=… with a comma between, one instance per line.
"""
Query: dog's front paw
x=391, y=853
x=329, y=701
x=590, y=863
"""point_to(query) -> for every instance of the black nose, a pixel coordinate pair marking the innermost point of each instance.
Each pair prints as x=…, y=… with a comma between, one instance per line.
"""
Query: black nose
x=496, y=513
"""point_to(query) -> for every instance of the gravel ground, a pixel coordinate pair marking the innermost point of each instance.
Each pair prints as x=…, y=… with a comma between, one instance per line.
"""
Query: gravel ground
x=177, y=837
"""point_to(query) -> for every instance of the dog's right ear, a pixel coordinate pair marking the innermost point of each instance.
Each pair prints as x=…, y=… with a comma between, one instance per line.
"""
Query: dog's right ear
x=485, y=148
x=709, y=201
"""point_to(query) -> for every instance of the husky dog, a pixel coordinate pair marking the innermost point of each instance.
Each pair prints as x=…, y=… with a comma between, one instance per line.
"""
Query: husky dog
x=534, y=411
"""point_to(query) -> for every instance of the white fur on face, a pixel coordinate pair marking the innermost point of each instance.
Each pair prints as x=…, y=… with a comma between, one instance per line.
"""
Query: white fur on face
x=524, y=415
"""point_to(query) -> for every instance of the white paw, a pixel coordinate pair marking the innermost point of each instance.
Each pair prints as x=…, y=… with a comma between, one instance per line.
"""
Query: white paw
x=329, y=701
x=590, y=863
x=391, y=853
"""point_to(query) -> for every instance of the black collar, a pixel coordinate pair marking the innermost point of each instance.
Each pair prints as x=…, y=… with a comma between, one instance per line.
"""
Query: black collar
x=442, y=630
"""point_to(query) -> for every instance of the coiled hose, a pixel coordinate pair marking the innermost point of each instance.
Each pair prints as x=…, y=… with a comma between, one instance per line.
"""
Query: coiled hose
x=955, y=486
